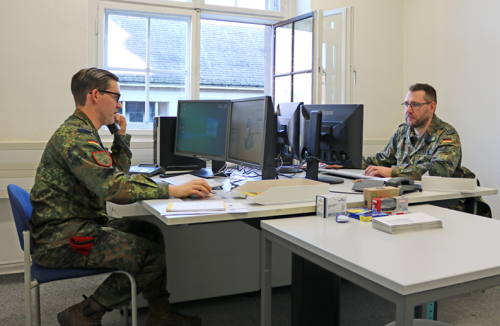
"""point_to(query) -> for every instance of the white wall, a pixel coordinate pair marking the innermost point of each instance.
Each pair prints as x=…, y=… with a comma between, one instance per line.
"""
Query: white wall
x=454, y=45
x=43, y=43
x=378, y=60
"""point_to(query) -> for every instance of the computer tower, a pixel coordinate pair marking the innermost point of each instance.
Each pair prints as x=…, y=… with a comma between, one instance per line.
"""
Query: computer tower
x=164, y=145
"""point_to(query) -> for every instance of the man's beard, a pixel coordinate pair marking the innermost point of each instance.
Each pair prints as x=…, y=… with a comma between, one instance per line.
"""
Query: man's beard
x=417, y=123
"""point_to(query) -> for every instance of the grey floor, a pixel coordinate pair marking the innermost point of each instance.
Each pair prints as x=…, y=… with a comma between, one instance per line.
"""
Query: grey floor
x=358, y=307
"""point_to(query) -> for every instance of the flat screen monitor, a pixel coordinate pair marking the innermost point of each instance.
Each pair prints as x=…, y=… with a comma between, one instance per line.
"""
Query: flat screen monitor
x=341, y=140
x=288, y=115
x=252, y=136
x=202, y=129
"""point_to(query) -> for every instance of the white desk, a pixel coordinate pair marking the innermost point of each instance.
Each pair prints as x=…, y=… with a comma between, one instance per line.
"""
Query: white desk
x=258, y=211
x=460, y=258
x=215, y=259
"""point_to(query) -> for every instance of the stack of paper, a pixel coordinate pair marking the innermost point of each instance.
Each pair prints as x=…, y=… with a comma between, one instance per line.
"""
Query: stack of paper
x=397, y=224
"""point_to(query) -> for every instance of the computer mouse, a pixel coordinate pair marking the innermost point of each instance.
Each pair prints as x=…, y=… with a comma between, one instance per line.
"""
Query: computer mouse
x=197, y=196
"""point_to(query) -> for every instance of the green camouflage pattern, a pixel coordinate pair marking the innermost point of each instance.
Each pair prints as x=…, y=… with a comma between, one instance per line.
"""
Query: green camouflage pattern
x=71, y=187
x=438, y=152
x=130, y=245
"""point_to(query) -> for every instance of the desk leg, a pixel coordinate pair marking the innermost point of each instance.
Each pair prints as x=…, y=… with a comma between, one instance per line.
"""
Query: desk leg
x=265, y=279
x=404, y=313
x=315, y=294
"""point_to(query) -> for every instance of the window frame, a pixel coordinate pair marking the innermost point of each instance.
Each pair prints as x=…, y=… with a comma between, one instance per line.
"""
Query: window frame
x=196, y=10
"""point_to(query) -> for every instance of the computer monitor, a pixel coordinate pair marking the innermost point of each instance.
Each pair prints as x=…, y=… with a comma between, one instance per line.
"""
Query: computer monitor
x=341, y=136
x=252, y=136
x=288, y=137
x=202, y=129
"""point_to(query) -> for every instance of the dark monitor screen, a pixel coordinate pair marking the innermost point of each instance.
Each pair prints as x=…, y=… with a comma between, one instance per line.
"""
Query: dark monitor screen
x=341, y=140
x=202, y=129
x=289, y=129
x=252, y=138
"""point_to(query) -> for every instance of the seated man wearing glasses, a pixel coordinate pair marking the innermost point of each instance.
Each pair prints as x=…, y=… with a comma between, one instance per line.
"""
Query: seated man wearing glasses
x=423, y=144
x=76, y=177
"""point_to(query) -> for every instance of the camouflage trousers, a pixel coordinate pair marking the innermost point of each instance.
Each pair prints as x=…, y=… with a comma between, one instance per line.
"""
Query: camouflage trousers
x=133, y=246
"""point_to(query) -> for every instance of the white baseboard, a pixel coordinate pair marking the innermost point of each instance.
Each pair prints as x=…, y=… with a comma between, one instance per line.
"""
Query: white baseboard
x=11, y=268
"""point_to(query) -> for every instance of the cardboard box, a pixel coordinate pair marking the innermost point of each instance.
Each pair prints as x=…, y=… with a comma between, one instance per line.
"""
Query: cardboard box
x=378, y=192
x=390, y=205
x=363, y=214
x=281, y=191
x=438, y=183
x=330, y=205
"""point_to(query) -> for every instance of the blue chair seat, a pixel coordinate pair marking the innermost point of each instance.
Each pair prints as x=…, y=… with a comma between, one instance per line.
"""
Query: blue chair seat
x=21, y=209
x=46, y=275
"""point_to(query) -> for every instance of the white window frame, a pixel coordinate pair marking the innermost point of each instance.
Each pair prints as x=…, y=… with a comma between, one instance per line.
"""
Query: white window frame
x=196, y=10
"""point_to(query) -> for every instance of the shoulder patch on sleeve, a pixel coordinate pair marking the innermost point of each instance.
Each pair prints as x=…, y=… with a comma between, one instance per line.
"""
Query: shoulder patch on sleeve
x=102, y=158
x=91, y=141
x=448, y=129
x=85, y=128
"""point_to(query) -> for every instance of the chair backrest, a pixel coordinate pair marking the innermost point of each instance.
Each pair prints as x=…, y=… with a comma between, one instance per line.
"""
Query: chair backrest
x=21, y=209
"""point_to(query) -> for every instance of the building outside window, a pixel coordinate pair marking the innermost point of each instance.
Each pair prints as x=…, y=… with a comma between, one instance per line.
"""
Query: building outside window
x=153, y=53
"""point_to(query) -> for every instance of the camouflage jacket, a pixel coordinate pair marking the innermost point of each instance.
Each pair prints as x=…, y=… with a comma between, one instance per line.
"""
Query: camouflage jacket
x=438, y=151
x=75, y=178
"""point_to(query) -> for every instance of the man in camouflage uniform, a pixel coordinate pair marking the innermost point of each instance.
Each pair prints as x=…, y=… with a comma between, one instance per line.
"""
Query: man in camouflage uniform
x=70, y=228
x=423, y=144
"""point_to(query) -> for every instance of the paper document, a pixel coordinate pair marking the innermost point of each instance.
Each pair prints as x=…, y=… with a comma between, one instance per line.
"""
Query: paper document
x=231, y=208
x=196, y=206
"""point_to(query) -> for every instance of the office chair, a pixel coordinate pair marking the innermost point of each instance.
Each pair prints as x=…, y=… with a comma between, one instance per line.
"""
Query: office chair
x=21, y=209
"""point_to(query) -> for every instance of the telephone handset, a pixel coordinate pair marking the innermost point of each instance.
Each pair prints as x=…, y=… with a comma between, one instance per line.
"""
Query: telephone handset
x=114, y=128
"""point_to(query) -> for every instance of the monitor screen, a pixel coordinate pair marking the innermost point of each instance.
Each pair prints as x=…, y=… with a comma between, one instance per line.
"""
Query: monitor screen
x=202, y=129
x=341, y=140
x=252, y=136
x=289, y=129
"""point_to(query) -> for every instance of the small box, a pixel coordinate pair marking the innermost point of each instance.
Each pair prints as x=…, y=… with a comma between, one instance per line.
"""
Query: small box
x=378, y=192
x=330, y=205
x=363, y=214
x=390, y=205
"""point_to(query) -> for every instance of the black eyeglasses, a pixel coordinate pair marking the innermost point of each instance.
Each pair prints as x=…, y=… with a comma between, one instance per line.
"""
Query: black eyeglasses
x=117, y=94
x=414, y=106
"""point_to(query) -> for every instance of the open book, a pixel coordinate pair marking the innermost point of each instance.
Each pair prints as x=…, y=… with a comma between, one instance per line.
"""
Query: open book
x=397, y=224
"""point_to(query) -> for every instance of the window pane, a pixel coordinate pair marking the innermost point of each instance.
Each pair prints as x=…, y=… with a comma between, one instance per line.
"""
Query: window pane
x=135, y=111
x=167, y=89
x=302, y=88
x=231, y=60
x=302, y=46
x=283, y=90
x=283, y=52
x=251, y=4
x=126, y=41
x=132, y=88
x=168, y=44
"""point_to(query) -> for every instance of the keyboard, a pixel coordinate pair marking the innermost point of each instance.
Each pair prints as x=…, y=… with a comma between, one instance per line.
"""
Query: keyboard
x=347, y=173
x=180, y=179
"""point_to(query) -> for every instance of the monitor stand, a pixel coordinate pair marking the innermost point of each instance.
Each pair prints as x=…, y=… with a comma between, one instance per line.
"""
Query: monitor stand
x=210, y=173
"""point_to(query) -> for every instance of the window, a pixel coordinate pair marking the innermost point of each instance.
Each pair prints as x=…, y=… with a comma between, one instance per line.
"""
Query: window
x=293, y=60
x=163, y=55
x=272, y=5
x=150, y=56
x=232, y=59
